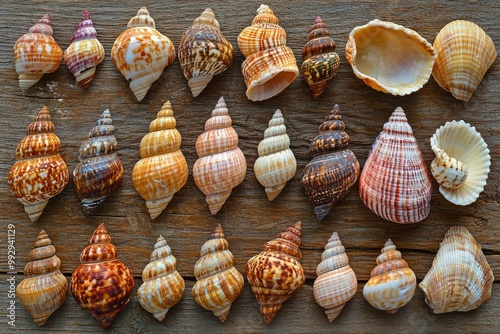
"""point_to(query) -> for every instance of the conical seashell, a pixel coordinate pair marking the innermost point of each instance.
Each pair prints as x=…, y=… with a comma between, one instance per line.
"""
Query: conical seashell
x=336, y=283
x=101, y=284
x=163, y=286
x=45, y=288
x=462, y=162
x=270, y=65
x=141, y=53
x=221, y=165
x=334, y=168
x=84, y=53
x=321, y=63
x=464, y=54
x=392, y=283
x=389, y=57
x=204, y=52
x=276, y=164
x=275, y=274
x=39, y=173
x=162, y=170
x=36, y=53
x=395, y=182
x=218, y=282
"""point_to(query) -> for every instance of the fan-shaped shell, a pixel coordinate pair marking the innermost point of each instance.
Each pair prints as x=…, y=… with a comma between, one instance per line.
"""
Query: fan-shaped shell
x=389, y=57
x=395, y=182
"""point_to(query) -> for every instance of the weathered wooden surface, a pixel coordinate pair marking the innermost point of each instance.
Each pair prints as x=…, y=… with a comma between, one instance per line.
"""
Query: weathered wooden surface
x=248, y=219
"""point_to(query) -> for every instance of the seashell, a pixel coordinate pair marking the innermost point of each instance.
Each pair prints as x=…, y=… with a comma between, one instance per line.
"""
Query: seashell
x=460, y=278
x=389, y=57
x=464, y=54
x=218, y=282
x=270, y=65
x=395, y=182
x=334, y=168
x=275, y=274
x=221, y=165
x=84, y=53
x=204, y=52
x=39, y=172
x=276, y=164
x=336, y=283
x=321, y=63
x=392, y=283
x=36, y=53
x=163, y=286
x=162, y=170
x=101, y=284
x=462, y=162
x=141, y=53
x=45, y=288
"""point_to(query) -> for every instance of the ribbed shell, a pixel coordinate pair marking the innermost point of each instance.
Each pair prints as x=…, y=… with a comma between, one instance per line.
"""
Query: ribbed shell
x=334, y=168
x=39, y=173
x=276, y=274
x=395, y=182
x=162, y=170
x=45, y=288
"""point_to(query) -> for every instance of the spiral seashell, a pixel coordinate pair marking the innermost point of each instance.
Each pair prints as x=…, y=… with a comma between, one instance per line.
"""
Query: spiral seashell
x=39, y=172
x=36, y=53
x=336, y=283
x=276, y=164
x=221, y=165
x=84, y=53
x=464, y=55
x=321, y=63
x=395, y=182
x=45, y=288
x=141, y=53
x=270, y=65
x=334, y=168
x=204, y=52
x=163, y=286
x=392, y=283
x=100, y=171
x=162, y=170
x=101, y=284
x=218, y=282
x=276, y=274
x=460, y=278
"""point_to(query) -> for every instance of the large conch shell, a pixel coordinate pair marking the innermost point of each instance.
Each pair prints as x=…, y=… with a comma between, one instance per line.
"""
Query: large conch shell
x=464, y=54
x=102, y=284
x=321, y=63
x=162, y=285
x=162, y=170
x=221, y=165
x=462, y=162
x=36, y=53
x=100, y=171
x=395, y=182
x=219, y=283
x=39, y=173
x=204, y=52
x=45, y=288
x=392, y=283
x=270, y=65
x=141, y=53
x=334, y=168
x=460, y=278
x=276, y=164
x=336, y=283
x=84, y=53
x=389, y=57
x=275, y=274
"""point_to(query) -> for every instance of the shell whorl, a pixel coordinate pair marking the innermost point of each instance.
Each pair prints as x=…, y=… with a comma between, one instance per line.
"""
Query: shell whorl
x=287, y=242
x=332, y=136
x=318, y=40
x=207, y=18
x=42, y=259
x=333, y=257
x=43, y=26
x=101, y=140
x=389, y=259
x=265, y=15
x=142, y=19
x=85, y=29
x=99, y=247
x=163, y=137
x=41, y=133
x=276, y=128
